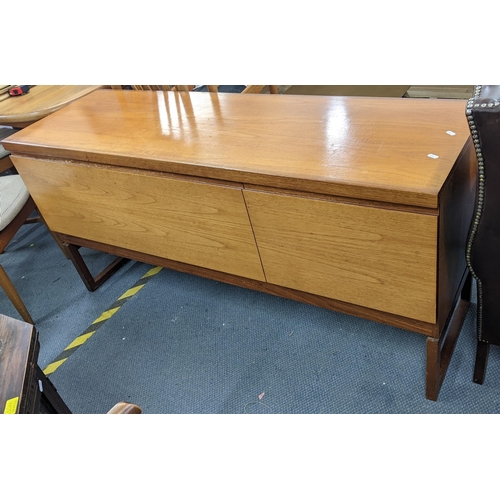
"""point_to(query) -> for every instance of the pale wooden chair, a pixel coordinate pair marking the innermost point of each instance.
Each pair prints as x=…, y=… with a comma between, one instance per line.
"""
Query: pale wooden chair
x=16, y=206
x=185, y=88
x=249, y=89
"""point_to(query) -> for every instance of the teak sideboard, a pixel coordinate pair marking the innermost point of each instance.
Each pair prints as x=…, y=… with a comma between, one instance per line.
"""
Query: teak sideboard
x=361, y=205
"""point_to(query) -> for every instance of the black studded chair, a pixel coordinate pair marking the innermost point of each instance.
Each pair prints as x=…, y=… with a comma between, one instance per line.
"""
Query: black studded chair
x=483, y=246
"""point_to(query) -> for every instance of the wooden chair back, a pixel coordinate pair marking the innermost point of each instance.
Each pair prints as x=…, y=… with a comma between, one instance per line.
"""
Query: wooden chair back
x=185, y=88
x=249, y=89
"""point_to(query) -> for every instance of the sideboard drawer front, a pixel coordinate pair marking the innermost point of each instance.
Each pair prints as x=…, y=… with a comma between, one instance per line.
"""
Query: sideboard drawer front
x=377, y=258
x=197, y=223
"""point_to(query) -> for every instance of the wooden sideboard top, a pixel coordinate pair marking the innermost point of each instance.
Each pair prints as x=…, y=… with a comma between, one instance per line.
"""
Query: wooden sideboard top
x=361, y=147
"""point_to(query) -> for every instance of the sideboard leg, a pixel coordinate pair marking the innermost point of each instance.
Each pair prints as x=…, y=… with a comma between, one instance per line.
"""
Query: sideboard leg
x=91, y=282
x=440, y=350
x=434, y=372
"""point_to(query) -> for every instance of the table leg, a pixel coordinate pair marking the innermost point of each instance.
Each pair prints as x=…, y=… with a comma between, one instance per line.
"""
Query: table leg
x=91, y=282
x=440, y=350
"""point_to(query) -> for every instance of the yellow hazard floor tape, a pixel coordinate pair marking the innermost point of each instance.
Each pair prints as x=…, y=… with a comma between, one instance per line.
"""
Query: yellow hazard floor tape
x=96, y=324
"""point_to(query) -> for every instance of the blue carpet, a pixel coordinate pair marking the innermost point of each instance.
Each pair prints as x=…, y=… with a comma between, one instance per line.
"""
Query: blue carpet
x=185, y=344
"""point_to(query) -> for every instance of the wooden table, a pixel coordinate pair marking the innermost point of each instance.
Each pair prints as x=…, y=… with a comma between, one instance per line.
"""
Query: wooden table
x=361, y=205
x=39, y=102
x=23, y=386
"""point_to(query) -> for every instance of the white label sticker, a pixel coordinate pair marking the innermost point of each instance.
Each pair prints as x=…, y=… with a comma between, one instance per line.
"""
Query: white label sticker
x=450, y=132
x=432, y=156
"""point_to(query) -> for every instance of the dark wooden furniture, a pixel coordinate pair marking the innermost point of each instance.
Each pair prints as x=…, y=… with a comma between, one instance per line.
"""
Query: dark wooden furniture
x=24, y=388
x=483, y=246
x=356, y=204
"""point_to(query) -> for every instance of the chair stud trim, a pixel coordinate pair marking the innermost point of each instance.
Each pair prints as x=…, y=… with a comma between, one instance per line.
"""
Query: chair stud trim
x=471, y=103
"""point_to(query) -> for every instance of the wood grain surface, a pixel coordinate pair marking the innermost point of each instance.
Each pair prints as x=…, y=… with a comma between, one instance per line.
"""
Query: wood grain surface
x=380, y=259
x=359, y=147
x=199, y=223
x=17, y=357
x=428, y=329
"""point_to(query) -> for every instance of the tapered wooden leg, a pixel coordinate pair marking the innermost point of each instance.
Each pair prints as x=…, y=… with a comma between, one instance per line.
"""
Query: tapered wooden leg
x=483, y=349
x=438, y=358
x=14, y=297
x=71, y=251
x=440, y=350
